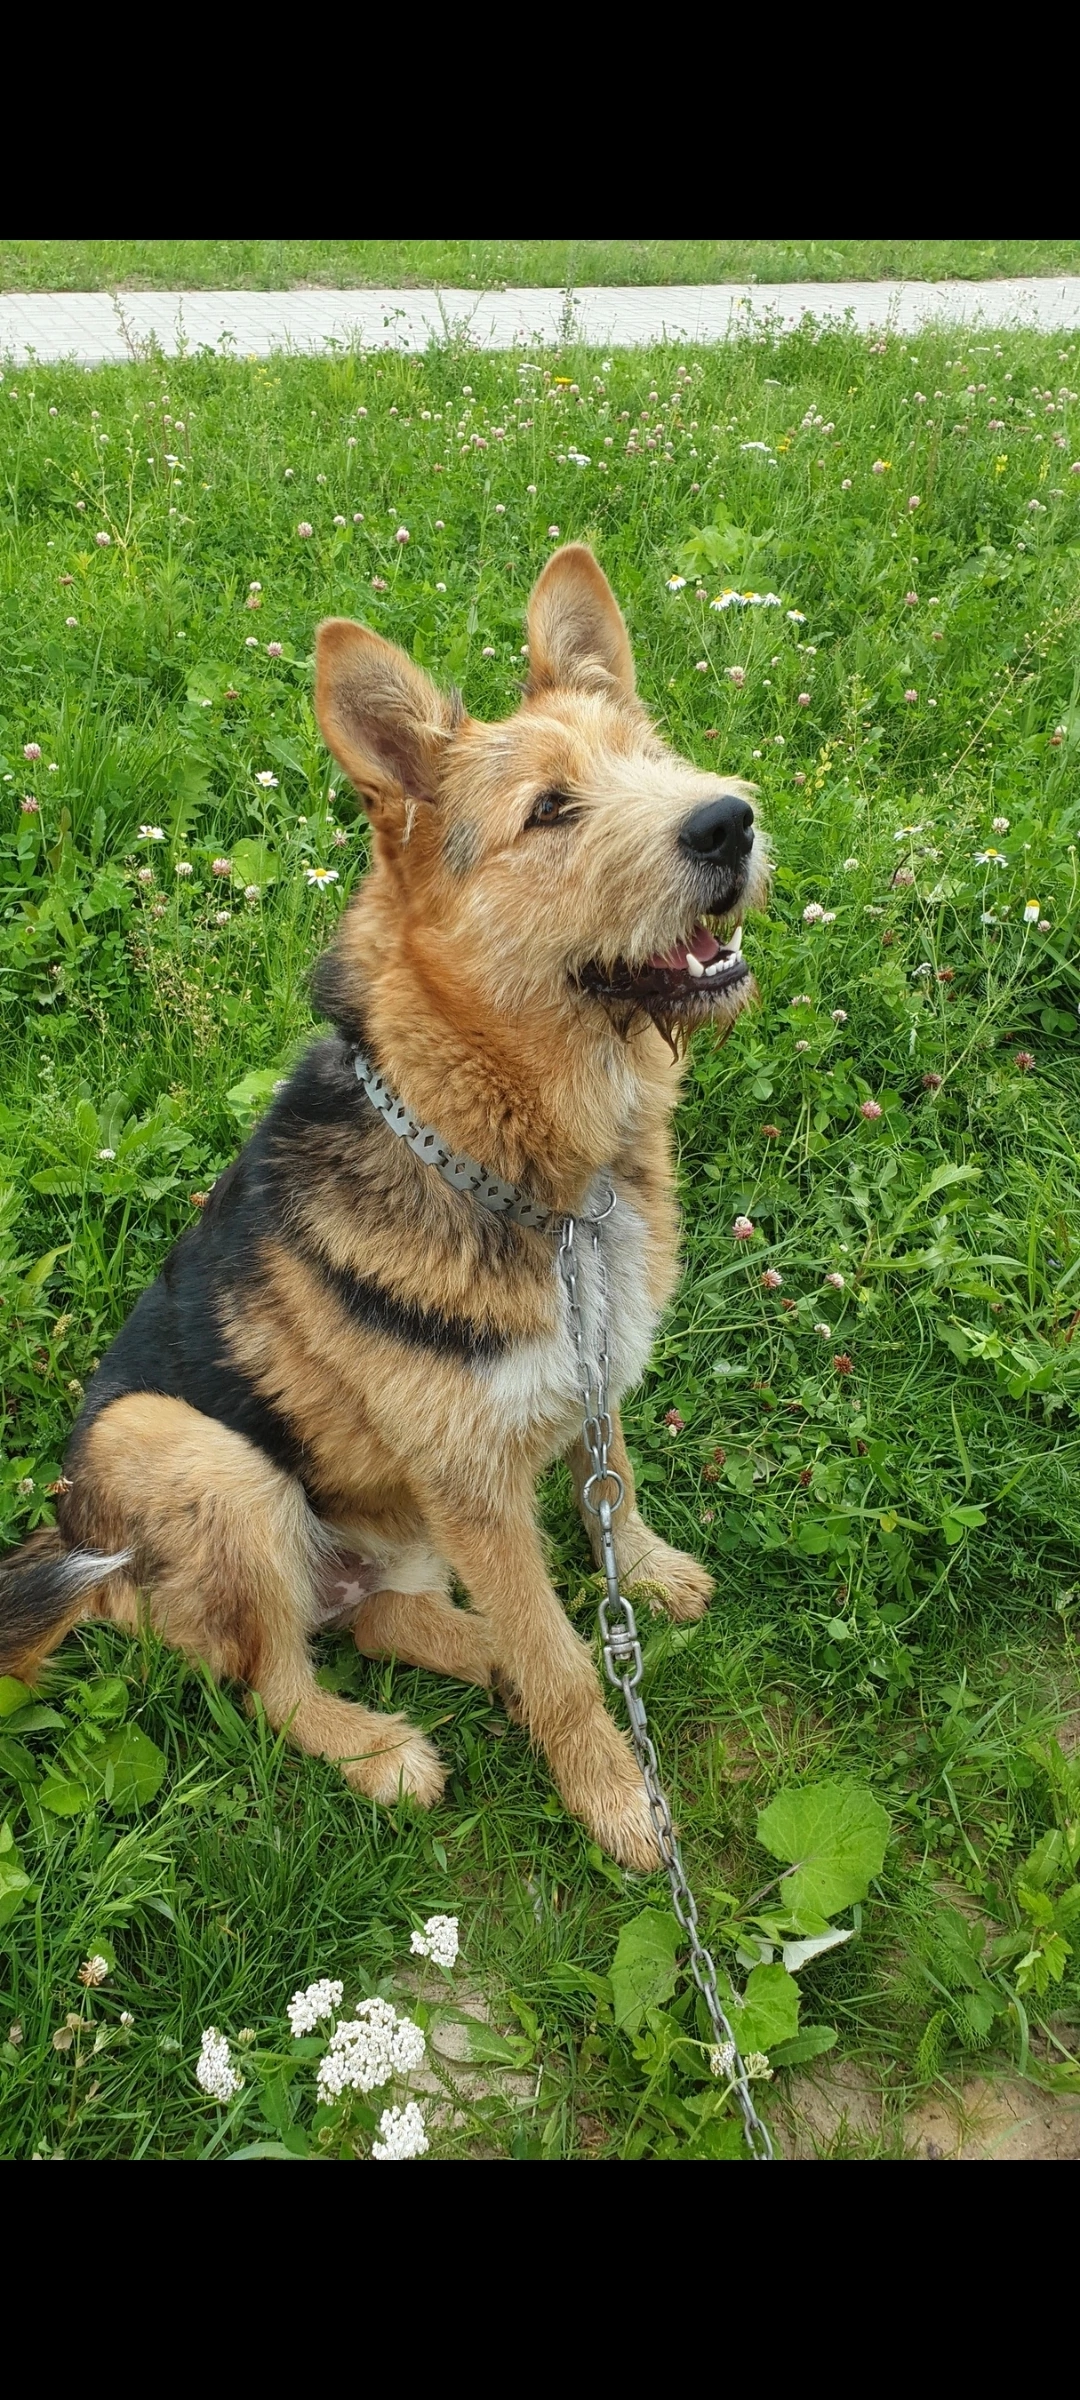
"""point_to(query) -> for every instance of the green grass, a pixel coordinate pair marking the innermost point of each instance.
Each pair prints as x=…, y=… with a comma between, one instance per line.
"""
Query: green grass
x=896, y=1548
x=275, y=266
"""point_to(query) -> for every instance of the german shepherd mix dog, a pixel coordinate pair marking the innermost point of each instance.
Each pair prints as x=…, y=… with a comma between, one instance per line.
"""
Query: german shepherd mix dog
x=341, y=1390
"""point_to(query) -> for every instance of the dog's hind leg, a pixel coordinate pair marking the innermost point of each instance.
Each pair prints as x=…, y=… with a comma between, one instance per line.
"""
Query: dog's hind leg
x=228, y=1549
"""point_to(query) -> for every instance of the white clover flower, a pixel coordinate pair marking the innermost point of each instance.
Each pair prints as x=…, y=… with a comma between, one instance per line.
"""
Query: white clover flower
x=1000, y=824
x=106, y=1154
x=850, y=865
x=764, y=446
x=824, y=1330
x=438, y=1941
x=368, y=2049
x=215, y=2073
x=813, y=914
x=839, y=1016
x=308, y=2008
x=93, y=1971
x=403, y=2134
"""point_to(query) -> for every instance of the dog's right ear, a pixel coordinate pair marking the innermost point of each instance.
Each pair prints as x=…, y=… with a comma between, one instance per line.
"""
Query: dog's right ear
x=384, y=721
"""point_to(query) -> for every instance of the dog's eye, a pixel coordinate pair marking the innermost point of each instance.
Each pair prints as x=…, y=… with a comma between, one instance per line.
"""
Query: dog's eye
x=549, y=808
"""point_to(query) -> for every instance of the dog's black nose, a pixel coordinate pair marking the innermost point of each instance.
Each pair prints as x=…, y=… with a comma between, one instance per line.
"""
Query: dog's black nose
x=722, y=831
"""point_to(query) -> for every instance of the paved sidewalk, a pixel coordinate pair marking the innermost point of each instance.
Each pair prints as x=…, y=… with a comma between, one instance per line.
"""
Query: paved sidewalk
x=94, y=329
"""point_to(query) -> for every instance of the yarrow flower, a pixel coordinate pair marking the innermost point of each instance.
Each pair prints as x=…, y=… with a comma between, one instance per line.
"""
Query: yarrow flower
x=743, y=1229
x=366, y=2050
x=308, y=2008
x=215, y=2073
x=402, y=2133
x=320, y=876
x=438, y=1941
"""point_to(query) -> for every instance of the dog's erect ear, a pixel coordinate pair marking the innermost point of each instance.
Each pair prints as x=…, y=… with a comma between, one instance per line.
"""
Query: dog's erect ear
x=577, y=639
x=384, y=721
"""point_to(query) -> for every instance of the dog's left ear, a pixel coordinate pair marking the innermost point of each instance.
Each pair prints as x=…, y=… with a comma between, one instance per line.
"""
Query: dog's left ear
x=577, y=639
x=384, y=720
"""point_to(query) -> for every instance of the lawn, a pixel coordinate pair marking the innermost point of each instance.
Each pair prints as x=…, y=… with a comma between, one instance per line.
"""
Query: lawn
x=276, y=266
x=864, y=1416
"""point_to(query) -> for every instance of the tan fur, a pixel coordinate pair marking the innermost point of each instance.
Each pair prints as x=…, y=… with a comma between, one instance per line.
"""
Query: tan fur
x=461, y=956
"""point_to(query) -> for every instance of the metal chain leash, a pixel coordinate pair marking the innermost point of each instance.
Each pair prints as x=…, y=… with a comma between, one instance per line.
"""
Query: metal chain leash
x=622, y=1647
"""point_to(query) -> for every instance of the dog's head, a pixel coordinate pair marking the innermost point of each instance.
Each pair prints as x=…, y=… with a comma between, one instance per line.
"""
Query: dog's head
x=565, y=861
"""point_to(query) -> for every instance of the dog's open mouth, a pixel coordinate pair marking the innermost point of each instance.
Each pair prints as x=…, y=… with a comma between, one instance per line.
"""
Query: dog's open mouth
x=672, y=982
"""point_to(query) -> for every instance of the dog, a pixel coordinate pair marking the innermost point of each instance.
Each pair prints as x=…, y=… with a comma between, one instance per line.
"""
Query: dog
x=342, y=1388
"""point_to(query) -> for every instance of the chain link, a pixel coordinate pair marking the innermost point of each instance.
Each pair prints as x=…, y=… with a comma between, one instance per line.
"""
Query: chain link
x=622, y=1647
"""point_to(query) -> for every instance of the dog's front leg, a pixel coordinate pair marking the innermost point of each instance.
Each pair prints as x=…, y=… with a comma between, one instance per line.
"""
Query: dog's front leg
x=682, y=1586
x=498, y=1556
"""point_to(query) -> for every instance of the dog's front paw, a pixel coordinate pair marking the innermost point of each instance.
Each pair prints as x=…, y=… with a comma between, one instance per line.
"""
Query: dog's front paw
x=600, y=1782
x=675, y=1582
x=395, y=1762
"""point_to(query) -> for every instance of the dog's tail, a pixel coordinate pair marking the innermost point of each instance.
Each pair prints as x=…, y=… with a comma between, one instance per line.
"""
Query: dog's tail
x=42, y=1590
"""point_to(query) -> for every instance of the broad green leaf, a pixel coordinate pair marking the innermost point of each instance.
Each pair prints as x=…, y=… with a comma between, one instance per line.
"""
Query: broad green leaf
x=799, y=1954
x=254, y=862
x=643, y=1970
x=34, y=1719
x=126, y=1768
x=64, y=1796
x=834, y=1834
x=252, y=1092
x=485, y=2047
x=769, y=2011
x=14, y=1885
x=812, y=2042
x=13, y=1695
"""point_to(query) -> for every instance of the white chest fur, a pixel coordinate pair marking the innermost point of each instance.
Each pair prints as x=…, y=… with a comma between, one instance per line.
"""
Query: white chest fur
x=536, y=1384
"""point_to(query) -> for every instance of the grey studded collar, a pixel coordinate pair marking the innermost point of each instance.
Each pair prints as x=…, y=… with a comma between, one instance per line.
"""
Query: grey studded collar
x=463, y=1174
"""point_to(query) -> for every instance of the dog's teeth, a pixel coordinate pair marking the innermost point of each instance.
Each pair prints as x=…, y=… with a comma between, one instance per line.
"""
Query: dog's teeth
x=736, y=939
x=694, y=965
x=714, y=969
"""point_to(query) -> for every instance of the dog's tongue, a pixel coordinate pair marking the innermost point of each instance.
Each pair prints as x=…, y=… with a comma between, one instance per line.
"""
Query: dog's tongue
x=702, y=945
